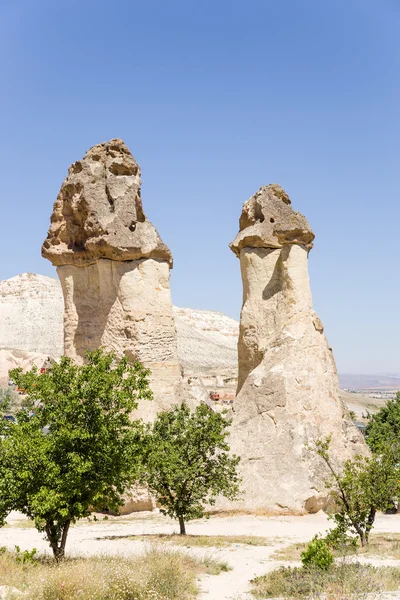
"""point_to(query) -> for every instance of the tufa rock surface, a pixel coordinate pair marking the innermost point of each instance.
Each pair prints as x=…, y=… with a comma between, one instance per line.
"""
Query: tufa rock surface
x=99, y=214
x=114, y=269
x=268, y=221
x=288, y=391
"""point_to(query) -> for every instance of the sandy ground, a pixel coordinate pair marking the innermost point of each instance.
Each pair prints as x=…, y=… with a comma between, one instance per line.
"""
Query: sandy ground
x=110, y=537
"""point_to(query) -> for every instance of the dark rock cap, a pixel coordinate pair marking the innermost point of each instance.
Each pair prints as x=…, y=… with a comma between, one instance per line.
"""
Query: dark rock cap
x=98, y=212
x=269, y=221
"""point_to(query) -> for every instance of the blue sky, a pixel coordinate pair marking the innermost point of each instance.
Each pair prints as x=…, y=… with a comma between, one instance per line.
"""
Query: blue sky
x=216, y=98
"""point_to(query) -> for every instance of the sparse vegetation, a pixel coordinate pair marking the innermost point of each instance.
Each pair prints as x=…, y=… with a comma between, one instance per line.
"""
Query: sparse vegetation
x=157, y=575
x=188, y=464
x=381, y=545
x=341, y=581
x=201, y=541
x=364, y=486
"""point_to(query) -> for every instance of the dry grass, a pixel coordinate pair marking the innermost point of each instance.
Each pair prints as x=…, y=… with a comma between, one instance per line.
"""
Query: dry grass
x=385, y=545
x=292, y=552
x=201, y=541
x=257, y=512
x=95, y=519
x=21, y=524
x=342, y=581
x=381, y=545
x=216, y=541
x=157, y=575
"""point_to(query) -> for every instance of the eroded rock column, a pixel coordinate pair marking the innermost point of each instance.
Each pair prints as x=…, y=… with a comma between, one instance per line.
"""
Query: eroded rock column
x=114, y=268
x=288, y=392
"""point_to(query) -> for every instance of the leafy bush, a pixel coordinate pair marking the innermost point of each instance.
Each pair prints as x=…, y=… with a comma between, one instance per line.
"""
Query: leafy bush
x=27, y=556
x=383, y=428
x=338, y=539
x=317, y=554
x=9, y=400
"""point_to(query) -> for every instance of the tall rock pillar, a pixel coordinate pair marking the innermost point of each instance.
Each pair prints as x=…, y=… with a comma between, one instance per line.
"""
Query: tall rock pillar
x=288, y=391
x=114, y=268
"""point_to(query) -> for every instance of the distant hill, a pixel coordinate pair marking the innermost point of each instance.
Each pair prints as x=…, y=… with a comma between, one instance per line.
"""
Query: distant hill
x=369, y=382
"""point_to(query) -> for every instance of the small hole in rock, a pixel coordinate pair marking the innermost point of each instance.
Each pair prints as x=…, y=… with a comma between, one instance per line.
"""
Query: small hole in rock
x=272, y=220
x=132, y=226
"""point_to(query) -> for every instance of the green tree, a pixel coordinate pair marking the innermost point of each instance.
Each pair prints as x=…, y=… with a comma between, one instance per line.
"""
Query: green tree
x=188, y=462
x=77, y=450
x=364, y=486
x=383, y=428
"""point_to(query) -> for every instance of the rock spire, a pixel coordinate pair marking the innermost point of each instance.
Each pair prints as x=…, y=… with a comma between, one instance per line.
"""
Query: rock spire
x=114, y=268
x=288, y=391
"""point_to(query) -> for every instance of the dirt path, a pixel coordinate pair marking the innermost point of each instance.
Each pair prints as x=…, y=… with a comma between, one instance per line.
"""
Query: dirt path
x=110, y=537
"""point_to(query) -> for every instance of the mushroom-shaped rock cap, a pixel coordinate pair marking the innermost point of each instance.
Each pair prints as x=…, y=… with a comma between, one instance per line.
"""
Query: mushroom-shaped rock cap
x=269, y=221
x=98, y=212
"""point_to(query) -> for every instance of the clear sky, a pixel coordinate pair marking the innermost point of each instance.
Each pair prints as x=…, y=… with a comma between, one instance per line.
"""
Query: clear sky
x=216, y=98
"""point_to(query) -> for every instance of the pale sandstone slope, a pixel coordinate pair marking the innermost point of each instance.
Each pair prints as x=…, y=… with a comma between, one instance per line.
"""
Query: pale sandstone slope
x=31, y=321
x=31, y=314
x=207, y=341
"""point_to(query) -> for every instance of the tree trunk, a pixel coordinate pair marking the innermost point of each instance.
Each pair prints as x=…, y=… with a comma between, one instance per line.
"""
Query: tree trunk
x=58, y=548
x=64, y=538
x=182, y=526
x=370, y=524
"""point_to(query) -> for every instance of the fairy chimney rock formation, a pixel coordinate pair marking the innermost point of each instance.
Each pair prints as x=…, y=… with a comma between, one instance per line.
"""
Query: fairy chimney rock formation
x=288, y=391
x=113, y=267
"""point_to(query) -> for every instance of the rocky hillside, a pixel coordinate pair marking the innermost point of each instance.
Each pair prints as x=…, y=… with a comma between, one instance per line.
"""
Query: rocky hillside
x=31, y=325
x=207, y=340
x=31, y=314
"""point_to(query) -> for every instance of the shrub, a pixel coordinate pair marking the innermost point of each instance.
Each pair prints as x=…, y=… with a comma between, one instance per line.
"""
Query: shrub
x=338, y=539
x=317, y=554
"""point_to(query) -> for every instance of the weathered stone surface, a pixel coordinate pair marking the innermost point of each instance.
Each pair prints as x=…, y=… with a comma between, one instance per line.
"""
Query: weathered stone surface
x=99, y=214
x=268, y=221
x=114, y=269
x=288, y=386
x=125, y=307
